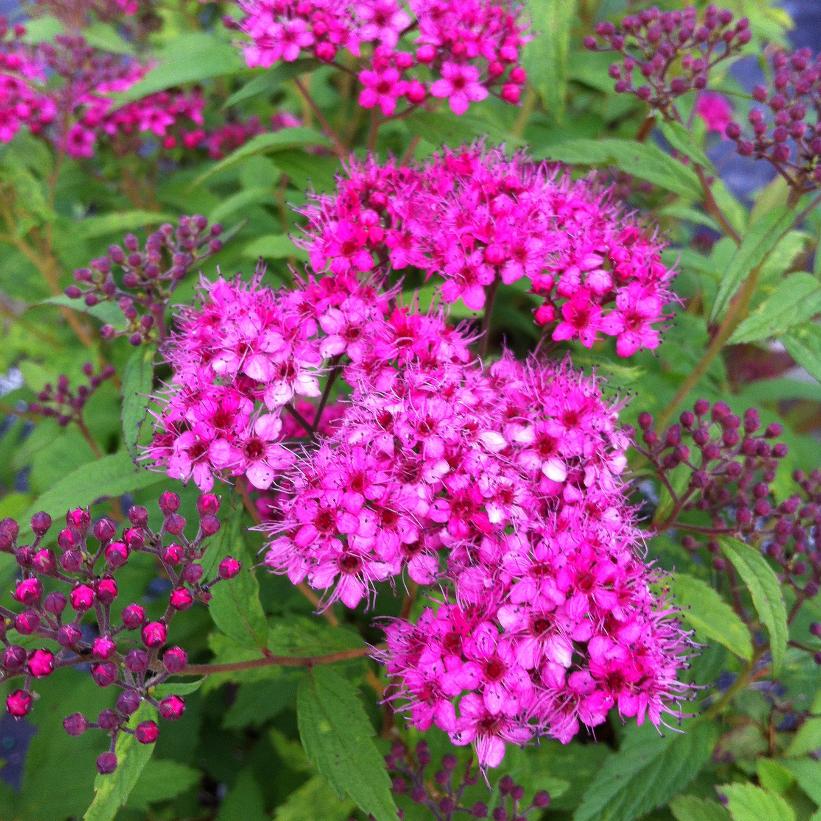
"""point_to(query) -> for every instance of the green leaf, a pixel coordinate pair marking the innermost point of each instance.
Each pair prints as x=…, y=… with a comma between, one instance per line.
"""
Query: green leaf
x=264, y=144
x=138, y=377
x=773, y=775
x=314, y=799
x=176, y=688
x=442, y=128
x=795, y=300
x=162, y=780
x=102, y=36
x=258, y=702
x=545, y=55
x=807, y=772
x=643, y=160
x=804, y=346
x=338, y=738
x=119, y=222
x=647, y=772
x=106, y=312
x=111, y=791
x=765, y=590
x=244, y=800
x=691, y=808
x=681, y=139
x=270, y=80
x=235, y=606
x=274, y=246
x=807, y=739
x=189, y=58
x=758, y=242
x=710, y=616
x=106, y=478
x=747, y=802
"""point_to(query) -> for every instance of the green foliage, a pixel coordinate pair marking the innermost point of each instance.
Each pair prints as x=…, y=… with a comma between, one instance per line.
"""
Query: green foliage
x=647, y=772
x=710, y=616
x=747, y=802
x=337, y=737
x=765, y=590
x=138, y=378
x=111, y=791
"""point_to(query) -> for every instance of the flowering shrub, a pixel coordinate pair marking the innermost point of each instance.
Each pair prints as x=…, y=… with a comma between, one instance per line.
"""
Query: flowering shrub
x=432, y=425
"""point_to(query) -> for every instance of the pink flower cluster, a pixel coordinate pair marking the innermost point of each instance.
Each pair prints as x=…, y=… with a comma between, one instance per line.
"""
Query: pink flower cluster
x=477, y=218
x=456, y=51
x=500, y=485
x=22, y=100
x=242, y=357
x=67, y=600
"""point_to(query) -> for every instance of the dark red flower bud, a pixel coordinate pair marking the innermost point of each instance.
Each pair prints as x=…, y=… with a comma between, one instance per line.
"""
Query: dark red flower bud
x=172, y=708
x=106, y=763
x=147, y=732
x=229, y=567
x=154, y=634
x=75, y=724
x=18, y=703
x=104, y=673
x=133, y=616
x=174, y=659
x=40, y=663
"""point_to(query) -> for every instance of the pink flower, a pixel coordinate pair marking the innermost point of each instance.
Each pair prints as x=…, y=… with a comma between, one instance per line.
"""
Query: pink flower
x=460, y=85
x=715, y=110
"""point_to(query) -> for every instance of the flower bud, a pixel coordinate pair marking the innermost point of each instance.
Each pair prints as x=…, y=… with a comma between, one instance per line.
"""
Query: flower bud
x=181, y=598
x=75, y=724
x=192, y=573
x=208, y=503
x=40, y=523
x=106, y=590
x=103, y=647
x=154, y=634
x=106, y=763
x=173, y=554
x=172, y=708
x=229, y=567
x=40, y=663
x=116, y=554
x=209, y=524
x=147, y=732
x=133, y=616
x=26, y=622
x=18, y=703
x=28, y=591
x=13, y=658
x=68, y=635
x=104, y=530
x=136, y=661
x=174, y=659
x=82, y=598
x=44, y=562
x=128, y=702
x=104, y=673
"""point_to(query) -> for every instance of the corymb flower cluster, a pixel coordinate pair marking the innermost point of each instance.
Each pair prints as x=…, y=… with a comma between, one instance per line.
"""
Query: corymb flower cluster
x=476, y=219
x=70, y=612
x=461, y=52
x=496, y=485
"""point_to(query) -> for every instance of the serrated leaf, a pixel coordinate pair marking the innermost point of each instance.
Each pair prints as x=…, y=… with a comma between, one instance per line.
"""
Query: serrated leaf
x=545, y=55
x=710, y=616
x=681, y=139
x=235, y=607
x=111, y=791
x=795, y=300
x=138, y=377
x=647, y=772
x=338, y=738
x=692, y=808
x=161, y=780
x=765, y=591
x=773, y=775
x=758, y=242
x=807, y=772
x=264, y=144
x=807, y=739
x=314, y=799
x=116, y=223
x=747, y=802
x=274, y=246
x=643, y=160
x=108, y=477
x=804, y=346
x=189, y=58
x=270, y=80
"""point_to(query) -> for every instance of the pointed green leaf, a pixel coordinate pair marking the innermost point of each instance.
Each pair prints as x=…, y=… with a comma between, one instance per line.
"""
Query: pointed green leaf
x=138, y=378
x=647, y=772
x=710, y=616
x=804, y=346
x=747, y=802
x=338, y=738
x=765, y=591
x=692, y=808
x=270, y=80
x=795, y=300
x=546, y=54
x=111, y=791
x=681, y=139
x=756, y=245
x=314, y=799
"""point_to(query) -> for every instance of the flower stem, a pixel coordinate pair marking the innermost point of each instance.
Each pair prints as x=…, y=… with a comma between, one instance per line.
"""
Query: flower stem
x=275, y=661
x=339, y=148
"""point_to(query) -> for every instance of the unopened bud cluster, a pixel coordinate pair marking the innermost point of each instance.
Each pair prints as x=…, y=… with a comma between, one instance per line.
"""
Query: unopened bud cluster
x=733, y=462
x=68, y=610
x=786, y=133
x=667, y=54
x=66, y=404
x=141, y=280
x=443, y=791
